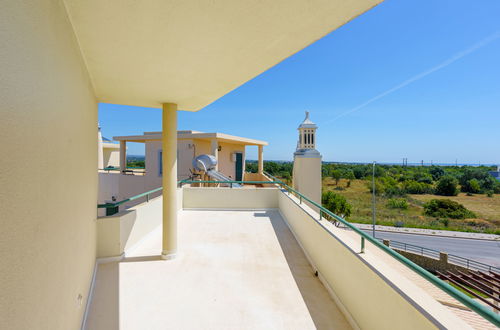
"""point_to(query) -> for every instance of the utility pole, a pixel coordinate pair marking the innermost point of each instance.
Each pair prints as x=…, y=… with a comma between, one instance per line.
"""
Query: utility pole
x=373, y=199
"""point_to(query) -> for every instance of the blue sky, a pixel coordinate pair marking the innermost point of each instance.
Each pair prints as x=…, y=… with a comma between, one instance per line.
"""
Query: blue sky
x=453, y=112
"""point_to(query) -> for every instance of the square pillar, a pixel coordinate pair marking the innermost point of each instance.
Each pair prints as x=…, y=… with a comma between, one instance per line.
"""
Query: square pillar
x=169, y=180
x=261, y=160
x=123, y=156
x=214, y=150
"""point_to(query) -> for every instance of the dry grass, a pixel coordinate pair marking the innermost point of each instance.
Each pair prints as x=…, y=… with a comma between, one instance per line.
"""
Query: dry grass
x=486, y=208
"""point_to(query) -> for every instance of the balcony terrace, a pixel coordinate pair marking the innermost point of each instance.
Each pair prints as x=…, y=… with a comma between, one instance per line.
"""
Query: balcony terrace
x=256, y=258
x=235, y=269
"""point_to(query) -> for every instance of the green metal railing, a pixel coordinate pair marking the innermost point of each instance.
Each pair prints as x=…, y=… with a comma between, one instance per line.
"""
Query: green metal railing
x=230, y=182
x=464, y=299
x=112, y=168
x=112, y=208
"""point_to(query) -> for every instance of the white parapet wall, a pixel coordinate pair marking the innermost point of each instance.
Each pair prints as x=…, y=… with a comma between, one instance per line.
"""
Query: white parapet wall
x=372, y=294
x=119, y=233
x=230, y=198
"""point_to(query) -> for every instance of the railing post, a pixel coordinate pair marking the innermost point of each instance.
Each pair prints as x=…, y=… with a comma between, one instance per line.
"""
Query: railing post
x=362, y=244
x=320, y=214
x=300, y=199
x=147, y=198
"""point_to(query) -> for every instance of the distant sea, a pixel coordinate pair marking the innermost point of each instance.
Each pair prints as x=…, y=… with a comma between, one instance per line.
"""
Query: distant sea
x=389, y=163
x=142, y=157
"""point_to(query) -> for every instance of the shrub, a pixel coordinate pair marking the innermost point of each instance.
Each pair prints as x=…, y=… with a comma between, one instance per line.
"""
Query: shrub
x=414, y=187
x=397, y=203
x=447, y=186
x=487, y=183
x=359, y=171
x=489, y=193
x=336, y=203
x=387, y=187
x=471, y=186
x=445, y=208
x=436, y=172
x=496, y=188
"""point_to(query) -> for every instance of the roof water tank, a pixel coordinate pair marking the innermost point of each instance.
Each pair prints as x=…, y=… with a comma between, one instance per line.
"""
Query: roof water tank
x=204, y=162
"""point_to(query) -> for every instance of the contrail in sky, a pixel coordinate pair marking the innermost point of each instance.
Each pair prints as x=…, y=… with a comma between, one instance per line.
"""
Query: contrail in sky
x=419, y=76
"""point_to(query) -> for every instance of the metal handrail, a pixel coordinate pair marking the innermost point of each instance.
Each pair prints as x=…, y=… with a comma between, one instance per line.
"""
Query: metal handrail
x=457, y=260
x=187, y=181
x=113, y=168
x=115, y=204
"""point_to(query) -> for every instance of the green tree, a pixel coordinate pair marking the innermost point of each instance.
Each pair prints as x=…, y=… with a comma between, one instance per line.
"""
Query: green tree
x=437, y=172
x=447, y=186
x=336, y=174
x=251, y=166
x=336, y=203
x=349, y=175
x=359, y=171
x=473, y=186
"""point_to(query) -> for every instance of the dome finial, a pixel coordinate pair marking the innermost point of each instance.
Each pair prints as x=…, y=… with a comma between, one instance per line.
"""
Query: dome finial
x=307, y=115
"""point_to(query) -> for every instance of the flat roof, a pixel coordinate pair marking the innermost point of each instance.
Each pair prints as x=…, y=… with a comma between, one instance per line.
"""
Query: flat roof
x=156, y=136
x=110, y=145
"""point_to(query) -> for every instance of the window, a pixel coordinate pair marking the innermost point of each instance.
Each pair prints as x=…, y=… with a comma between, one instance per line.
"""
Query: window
x=160, y=161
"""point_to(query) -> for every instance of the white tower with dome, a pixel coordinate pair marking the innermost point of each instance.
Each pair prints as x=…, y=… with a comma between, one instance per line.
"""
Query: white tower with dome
x=307, y=162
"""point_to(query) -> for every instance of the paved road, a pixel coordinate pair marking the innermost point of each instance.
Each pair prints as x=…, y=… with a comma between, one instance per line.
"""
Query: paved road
x=484, y=251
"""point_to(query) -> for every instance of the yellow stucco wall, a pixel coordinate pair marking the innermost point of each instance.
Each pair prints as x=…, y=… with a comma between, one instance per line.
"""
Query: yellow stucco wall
x=187, y=149
x=307, y=177
x=226, y=164
x=48, y=179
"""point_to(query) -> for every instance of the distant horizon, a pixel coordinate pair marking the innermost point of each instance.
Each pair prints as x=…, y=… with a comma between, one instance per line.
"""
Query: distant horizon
x=367, y=163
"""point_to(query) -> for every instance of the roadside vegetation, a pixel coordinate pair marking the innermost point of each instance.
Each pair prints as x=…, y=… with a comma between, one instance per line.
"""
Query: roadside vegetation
x=459, y=198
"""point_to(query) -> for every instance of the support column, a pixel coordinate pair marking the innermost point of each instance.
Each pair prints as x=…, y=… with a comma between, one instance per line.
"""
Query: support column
x=123, y=156
x=214, y=149
x=100, y=152
x=169, y=180
x=261, y=160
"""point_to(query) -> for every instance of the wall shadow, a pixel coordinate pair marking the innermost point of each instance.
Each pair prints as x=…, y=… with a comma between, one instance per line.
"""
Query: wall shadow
x=323, y=310
x=104, y=311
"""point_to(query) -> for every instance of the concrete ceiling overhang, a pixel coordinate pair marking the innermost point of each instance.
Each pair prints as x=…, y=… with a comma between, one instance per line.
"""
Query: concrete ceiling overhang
x=192, y=52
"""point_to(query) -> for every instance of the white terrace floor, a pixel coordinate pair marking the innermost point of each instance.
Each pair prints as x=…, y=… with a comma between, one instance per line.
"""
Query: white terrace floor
x=236, y=270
